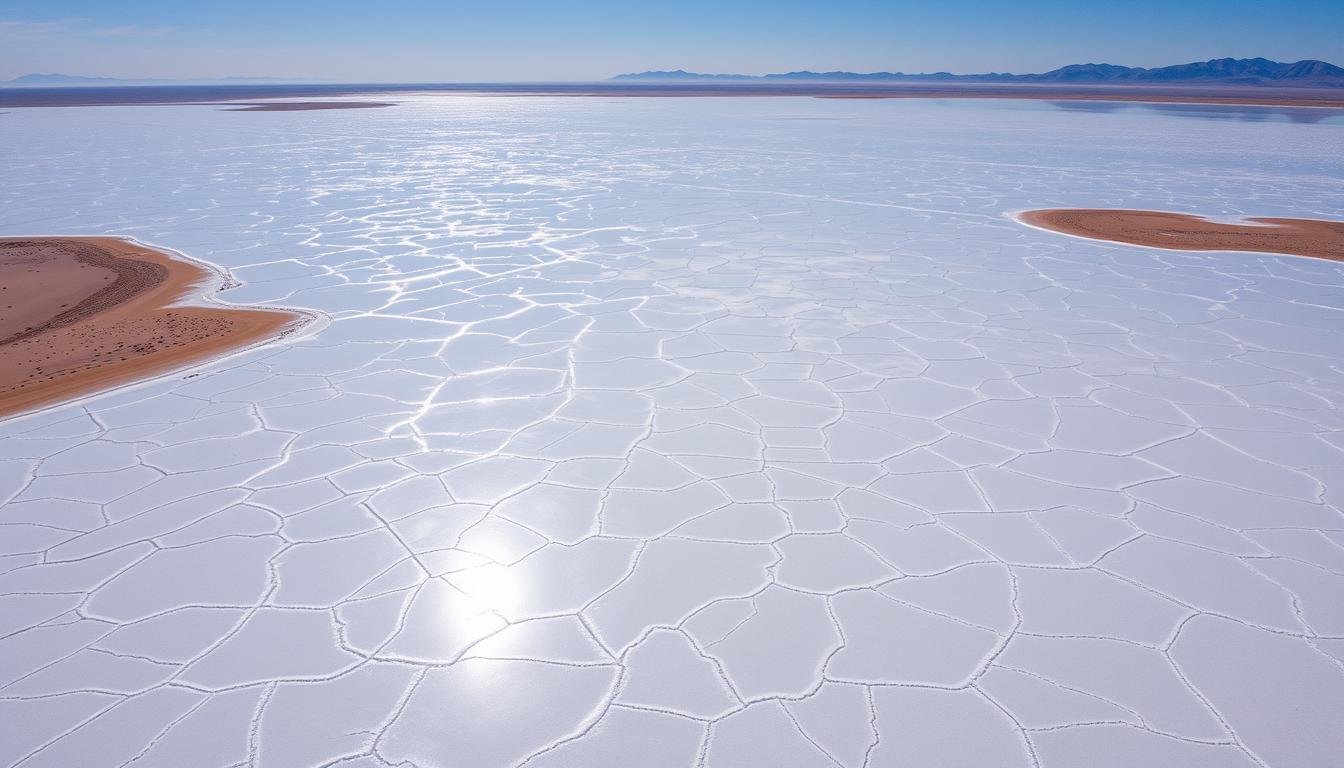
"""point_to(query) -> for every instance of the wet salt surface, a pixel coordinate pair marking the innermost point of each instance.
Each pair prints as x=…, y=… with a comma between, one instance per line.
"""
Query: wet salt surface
x=688, y=431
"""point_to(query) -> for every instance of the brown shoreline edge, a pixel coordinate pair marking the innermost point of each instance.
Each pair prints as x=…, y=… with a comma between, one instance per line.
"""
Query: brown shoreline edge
x=1317, y=238
x=301, y=106
x=83, y=315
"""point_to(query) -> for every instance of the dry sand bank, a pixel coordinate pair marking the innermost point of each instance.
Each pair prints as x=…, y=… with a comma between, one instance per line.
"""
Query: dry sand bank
x=1179, y=231
x=304, y=106
x=80, y=315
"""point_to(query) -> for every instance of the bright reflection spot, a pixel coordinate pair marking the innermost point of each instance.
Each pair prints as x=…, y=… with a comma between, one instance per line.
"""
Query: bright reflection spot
x=495, y=588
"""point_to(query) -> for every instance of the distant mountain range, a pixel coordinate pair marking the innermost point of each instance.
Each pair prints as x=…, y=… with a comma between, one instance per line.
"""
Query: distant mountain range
x=1216, y=71
x=55, y=79
x=1243, y=72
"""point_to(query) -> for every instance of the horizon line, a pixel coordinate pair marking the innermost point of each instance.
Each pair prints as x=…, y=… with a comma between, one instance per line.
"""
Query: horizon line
x=683, y=73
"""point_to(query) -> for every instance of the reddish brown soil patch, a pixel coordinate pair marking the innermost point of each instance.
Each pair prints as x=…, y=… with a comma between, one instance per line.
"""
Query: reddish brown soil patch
x=1179, y=231
x=80, y=315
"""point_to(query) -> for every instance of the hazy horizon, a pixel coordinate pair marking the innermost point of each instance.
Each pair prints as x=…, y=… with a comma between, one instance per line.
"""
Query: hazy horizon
x=397, y=41
x=78, y=77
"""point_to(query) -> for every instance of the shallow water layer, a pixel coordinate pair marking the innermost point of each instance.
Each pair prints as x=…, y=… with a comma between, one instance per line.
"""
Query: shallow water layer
x=679, y=431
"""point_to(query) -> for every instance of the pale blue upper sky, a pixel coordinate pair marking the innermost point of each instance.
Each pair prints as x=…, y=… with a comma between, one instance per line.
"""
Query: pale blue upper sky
x=405, y=40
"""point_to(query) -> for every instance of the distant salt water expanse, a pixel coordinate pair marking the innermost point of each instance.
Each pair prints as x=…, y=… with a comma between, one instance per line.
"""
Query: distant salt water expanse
x=697, y=431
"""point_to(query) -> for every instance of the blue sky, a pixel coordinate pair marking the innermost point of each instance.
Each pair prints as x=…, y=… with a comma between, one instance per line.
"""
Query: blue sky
x=400, y=40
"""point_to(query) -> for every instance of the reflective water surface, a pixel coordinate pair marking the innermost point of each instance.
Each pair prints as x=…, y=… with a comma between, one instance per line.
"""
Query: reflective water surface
x=1250, y=114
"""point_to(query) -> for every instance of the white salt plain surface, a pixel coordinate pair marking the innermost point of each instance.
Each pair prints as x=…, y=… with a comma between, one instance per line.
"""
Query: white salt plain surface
x=725, y=432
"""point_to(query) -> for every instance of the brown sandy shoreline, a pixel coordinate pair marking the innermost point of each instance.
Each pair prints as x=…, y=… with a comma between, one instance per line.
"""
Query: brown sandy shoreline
x=80, y=315
x=1317, y=238
x=301, y=106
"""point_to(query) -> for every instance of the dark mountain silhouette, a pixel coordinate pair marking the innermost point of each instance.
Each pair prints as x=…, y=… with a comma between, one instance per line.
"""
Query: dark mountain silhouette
x=1215, y=71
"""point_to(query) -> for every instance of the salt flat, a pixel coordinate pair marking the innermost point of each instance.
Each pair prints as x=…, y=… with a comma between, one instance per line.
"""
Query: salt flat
x=720, y=432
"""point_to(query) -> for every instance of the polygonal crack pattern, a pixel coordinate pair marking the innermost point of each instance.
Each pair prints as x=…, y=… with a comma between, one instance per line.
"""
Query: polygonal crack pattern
x=686, y=432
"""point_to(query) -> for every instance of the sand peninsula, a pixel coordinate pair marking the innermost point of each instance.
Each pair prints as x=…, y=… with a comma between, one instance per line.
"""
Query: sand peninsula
x=302, y=106
x=80, y=315
x=1317, y=238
